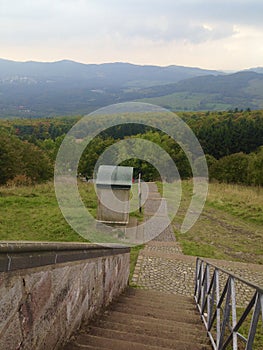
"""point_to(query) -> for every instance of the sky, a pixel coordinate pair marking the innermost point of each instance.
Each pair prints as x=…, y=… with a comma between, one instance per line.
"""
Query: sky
x=212, y=34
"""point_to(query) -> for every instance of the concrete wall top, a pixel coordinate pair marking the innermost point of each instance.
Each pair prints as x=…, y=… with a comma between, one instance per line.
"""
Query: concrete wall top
x=18, y=255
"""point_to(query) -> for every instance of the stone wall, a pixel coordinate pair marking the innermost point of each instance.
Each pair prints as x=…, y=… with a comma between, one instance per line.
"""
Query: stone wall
x=48, y=289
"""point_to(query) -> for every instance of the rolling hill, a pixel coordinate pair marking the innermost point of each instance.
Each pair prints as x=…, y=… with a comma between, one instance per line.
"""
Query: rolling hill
x=37, y=89
x=239, y=90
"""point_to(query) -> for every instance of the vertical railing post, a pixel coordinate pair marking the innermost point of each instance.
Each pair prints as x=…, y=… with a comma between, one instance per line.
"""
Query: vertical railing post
x=207, y=292
x=234, y=311
x=197, y=272
x=204, y=289
x=218, y=312
x=254, y=322
x=226, y=314
x=211, y=303
x=200, y=279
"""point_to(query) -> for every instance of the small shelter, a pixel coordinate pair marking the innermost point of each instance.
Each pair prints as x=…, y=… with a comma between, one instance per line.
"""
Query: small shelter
x=113, y=189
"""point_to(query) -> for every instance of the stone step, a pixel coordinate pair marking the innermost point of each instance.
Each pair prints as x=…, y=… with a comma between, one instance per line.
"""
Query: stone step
x=99, y=343
x=147, y=339
x=162, y=298
x=139, y=330
x=164, y=324
x=149, y=316
x=124, y=342
x=177, y=315
x=156, y=295
x=158, y=306
x=152, y=324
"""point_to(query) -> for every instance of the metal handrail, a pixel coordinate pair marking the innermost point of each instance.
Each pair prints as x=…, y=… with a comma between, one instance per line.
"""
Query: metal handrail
x=218, y=308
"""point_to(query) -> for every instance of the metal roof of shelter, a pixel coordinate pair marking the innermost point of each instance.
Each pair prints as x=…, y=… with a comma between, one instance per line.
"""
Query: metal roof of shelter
x=114, y=176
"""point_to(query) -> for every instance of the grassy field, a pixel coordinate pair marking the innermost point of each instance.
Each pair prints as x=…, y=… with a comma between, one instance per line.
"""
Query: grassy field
x=230, y=227
x=32, y=213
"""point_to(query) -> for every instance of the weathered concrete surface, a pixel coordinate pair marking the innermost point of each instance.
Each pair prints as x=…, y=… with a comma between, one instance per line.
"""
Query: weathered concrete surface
x=42, y=306
x=113, y=206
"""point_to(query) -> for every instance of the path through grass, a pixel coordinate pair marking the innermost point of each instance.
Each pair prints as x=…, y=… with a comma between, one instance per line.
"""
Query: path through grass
x=230, y=227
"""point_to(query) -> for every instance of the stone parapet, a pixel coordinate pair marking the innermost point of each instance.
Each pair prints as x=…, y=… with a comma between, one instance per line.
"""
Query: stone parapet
x=48, y=289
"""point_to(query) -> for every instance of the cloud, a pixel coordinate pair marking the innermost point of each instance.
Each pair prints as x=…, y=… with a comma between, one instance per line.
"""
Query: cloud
x=159, y=20
x=125, y=29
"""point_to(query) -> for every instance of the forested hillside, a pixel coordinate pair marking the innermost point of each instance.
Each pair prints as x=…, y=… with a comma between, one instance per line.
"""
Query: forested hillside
x=41, y=89
x=232, y=142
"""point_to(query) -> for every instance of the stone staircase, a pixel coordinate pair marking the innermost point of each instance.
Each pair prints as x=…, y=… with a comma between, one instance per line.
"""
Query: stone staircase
x=144, y=320
x=157, y=318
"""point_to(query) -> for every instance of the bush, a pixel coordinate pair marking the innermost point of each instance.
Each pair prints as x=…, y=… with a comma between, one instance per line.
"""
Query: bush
x=19, y=180
x=21, y=161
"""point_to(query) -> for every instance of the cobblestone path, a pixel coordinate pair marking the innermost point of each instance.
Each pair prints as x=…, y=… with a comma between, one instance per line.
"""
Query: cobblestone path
x=161, y=265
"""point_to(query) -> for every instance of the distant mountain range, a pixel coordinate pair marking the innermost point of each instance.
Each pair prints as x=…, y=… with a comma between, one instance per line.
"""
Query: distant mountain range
x=34, y=89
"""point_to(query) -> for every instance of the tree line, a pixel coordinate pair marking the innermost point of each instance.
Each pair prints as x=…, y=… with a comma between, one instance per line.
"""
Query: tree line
x=232, y=142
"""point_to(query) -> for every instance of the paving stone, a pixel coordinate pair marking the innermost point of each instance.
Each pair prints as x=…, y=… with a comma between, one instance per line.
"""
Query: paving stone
x=161, y=265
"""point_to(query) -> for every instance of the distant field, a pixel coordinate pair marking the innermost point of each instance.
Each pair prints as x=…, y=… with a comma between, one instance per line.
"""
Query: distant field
x=184, y=101
x=230, y=227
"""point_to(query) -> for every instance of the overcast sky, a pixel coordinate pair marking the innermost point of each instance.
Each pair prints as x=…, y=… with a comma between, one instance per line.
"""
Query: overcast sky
x=220, y=34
